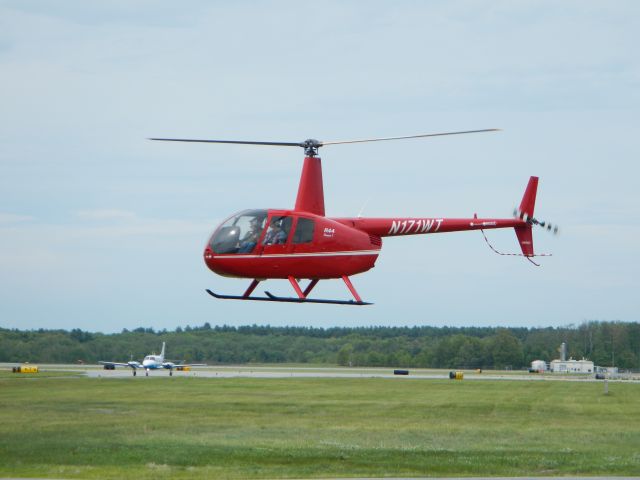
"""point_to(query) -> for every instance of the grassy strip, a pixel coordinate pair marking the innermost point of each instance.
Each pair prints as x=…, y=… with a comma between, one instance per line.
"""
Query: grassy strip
x=292, y=428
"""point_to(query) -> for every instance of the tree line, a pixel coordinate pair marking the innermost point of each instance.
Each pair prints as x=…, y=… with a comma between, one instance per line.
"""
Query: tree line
x=605, y=343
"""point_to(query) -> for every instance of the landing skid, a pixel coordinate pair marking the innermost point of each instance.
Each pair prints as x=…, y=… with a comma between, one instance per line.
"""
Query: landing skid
x=314, y=300
x=272, y=298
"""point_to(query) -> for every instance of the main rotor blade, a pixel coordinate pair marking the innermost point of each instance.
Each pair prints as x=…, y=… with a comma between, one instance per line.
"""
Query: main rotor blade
x=240, y=142
x=409, y=136
x=311, y=146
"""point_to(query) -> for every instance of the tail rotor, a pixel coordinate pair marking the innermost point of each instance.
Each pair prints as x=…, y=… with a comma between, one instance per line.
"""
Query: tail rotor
x=553, y=228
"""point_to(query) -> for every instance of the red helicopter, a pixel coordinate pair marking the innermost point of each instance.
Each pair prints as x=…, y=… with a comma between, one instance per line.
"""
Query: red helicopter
x=302, y=243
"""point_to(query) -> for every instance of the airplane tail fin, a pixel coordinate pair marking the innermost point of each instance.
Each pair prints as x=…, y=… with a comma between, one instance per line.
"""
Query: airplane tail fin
x=162, y=352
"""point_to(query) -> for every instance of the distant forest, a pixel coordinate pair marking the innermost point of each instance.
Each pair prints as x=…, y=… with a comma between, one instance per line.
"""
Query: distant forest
x=605, y=343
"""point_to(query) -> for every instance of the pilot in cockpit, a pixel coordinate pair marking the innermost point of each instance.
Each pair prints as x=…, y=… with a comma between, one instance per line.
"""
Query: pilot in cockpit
x=249, y=241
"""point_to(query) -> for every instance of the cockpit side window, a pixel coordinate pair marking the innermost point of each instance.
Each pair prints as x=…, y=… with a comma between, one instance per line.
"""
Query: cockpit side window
x=304, y=230
x=278, y=230
x=240, y=233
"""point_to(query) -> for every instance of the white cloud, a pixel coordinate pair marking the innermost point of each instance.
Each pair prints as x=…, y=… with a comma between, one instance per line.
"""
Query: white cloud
x=10, y=218
x=105, y=214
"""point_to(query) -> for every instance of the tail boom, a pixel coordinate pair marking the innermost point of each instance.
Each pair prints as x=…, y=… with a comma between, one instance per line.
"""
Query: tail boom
x=394, y=227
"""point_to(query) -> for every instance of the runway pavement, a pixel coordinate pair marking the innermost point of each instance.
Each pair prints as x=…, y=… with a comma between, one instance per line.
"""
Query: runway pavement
x=268, y=371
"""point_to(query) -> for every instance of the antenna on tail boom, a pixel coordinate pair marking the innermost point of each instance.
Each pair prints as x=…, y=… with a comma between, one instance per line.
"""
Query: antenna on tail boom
x=528, y=257
x=530, y=221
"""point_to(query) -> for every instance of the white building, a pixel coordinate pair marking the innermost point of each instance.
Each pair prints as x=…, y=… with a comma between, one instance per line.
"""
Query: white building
x=572, y=366
x=539, y=366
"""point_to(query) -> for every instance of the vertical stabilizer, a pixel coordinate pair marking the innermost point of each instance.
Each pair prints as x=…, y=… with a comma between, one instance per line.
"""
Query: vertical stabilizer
x=525, y=211
x=528, y=203
x=162, y=352
x=310, y=192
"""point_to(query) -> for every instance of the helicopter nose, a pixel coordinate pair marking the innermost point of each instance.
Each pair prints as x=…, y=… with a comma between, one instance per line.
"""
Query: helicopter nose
x=209, y=259
x=217, y=264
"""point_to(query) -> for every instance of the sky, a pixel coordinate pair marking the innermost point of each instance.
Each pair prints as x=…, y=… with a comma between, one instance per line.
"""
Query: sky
x=102, y=229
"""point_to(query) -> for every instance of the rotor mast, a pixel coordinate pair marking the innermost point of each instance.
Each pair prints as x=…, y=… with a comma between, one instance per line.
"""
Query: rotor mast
x=310, y=196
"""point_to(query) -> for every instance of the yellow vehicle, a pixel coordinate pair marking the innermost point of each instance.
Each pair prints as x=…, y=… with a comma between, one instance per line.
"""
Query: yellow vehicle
x=25, y=369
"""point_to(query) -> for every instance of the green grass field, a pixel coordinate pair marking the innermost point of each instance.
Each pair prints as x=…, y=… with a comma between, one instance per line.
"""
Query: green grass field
x=304, y=427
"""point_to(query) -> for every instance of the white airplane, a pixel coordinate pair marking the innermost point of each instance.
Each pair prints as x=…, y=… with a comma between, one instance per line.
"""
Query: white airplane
x=151, y=362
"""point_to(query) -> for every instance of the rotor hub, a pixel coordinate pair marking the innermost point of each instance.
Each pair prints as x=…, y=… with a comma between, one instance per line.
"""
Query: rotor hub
x=311, y=147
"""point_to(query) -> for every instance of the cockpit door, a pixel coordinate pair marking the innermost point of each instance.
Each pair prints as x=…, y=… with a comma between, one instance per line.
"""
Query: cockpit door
x=276, y=239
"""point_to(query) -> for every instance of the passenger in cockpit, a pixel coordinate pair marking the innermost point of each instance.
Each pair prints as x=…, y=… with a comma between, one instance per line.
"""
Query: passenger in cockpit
x=276, y=234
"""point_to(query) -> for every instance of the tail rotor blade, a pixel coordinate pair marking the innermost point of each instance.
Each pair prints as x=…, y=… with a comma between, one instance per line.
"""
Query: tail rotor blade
x=534, y=221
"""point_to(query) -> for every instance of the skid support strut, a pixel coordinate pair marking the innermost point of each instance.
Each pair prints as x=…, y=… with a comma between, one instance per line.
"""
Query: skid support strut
x=296, y=287
x=251, y=288
x=307, y=291
x=351, y=288
x=312, y=284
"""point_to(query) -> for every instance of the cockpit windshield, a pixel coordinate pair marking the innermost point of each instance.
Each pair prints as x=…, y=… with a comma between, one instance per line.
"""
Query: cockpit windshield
x=240, y=233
